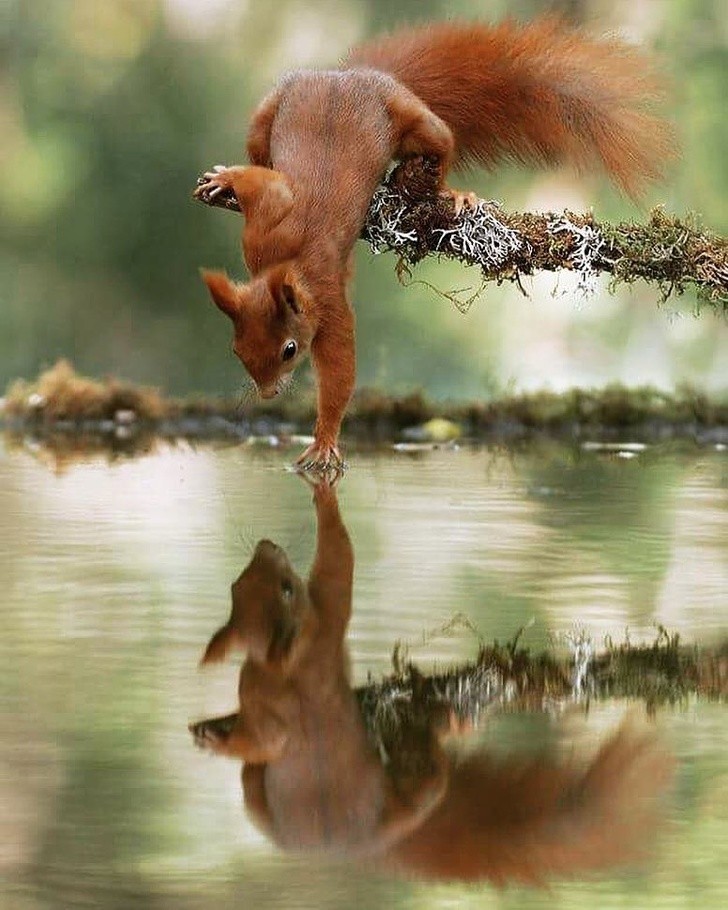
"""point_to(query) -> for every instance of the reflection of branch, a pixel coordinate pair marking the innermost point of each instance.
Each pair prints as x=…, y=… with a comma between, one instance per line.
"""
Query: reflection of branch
x=407, y=217
x=509, y=678
x=512, y=678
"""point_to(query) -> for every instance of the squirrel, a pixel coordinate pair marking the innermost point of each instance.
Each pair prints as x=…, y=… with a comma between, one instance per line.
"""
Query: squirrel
x=312, y=780
x=402, y=797
x=456, y=93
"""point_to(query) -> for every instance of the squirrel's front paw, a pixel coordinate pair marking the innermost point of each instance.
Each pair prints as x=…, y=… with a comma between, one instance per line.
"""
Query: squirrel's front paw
x=207, y=739
x=322, y=458
x=218, y=181
x=210, y=735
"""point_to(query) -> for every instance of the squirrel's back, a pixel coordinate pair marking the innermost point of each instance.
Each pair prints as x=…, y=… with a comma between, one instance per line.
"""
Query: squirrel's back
x=540, y=93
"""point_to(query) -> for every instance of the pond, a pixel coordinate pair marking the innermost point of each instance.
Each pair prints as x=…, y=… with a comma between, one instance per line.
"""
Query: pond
x=115, y=576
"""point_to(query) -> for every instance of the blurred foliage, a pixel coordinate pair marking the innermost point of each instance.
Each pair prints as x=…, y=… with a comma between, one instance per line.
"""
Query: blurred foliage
x=110, y=110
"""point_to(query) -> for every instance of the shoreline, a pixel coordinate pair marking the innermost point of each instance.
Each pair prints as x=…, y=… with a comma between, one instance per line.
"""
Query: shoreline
x=62, y=409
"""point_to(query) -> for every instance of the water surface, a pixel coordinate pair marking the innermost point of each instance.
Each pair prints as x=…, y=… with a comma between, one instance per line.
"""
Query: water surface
x=115, y=575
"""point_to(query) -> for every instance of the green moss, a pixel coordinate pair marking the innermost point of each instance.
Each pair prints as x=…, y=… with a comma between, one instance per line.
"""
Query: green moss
x=672, y=252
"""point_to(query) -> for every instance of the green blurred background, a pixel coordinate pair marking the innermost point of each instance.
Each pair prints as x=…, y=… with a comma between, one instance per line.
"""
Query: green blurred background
x=109, y=110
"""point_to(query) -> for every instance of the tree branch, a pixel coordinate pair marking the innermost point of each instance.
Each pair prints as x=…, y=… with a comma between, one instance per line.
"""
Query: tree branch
x=407, y=217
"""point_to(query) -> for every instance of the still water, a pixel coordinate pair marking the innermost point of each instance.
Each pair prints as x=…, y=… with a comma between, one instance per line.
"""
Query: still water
x=115, y=576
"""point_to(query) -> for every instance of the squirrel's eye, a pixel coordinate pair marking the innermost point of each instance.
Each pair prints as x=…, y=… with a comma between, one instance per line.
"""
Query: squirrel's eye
x=287, y=589
x=289, y=350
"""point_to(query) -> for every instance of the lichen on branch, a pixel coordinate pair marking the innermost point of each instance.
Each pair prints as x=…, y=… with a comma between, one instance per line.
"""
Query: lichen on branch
x=407, y=217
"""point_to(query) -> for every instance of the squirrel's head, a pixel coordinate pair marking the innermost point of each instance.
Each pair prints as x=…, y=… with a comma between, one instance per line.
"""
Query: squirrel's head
x=271, y=332
x=269, y=609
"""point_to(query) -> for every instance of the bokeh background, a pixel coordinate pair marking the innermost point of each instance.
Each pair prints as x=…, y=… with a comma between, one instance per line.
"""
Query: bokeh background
x=115, y=575
x=109, y=110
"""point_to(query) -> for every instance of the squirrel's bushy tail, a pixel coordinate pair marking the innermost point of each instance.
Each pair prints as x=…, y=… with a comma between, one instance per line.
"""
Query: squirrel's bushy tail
x=541, y=94
x=534, y=820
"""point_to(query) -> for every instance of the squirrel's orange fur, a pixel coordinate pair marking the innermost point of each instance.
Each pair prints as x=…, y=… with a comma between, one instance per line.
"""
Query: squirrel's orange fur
x=319, y=144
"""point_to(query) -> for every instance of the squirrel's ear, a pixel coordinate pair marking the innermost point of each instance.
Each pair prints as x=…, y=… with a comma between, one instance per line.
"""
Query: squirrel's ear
x=284, y=634
x=288, y=293
x=285, y=292
x=223, y=292
x=285, y=296
x=222, y=642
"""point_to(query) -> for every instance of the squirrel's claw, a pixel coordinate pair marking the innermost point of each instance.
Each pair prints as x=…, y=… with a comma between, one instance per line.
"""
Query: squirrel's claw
x=213, y=182
x=206, y=738
x=322, y=459
x=460, y=200
x=323, y=483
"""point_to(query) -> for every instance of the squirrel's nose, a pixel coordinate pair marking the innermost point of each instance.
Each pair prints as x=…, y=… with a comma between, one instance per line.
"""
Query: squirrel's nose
x=268, y=391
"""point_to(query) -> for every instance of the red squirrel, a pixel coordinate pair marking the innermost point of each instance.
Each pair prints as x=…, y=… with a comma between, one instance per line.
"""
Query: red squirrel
x=311, y=779
x=457, y=93
x=407, y=799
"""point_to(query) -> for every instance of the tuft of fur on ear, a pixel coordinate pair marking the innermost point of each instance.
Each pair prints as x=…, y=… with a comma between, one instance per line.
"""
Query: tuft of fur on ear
x=222, y=642
x=288, y=294
x=284, y=633
x=222, y=291
x=283, y=290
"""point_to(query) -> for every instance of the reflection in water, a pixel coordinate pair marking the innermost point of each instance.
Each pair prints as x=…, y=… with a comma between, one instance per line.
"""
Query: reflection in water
x=311, y=778
x=314, y=780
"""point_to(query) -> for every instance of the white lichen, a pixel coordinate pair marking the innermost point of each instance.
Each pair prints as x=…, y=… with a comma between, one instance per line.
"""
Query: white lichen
x=480, y=236
x=383, y=228
x=589, y=252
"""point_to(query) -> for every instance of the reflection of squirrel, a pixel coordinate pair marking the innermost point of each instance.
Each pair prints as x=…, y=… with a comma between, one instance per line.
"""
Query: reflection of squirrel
x=320, y=142
x=311, y=779
x=314, y=779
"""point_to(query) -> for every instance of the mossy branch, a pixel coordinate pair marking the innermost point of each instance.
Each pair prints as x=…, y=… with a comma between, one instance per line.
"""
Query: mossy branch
x=510, y=677
x=407, y=217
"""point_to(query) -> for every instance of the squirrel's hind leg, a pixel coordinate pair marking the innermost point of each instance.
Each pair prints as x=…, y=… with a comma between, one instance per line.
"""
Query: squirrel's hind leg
x=421, y=133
